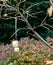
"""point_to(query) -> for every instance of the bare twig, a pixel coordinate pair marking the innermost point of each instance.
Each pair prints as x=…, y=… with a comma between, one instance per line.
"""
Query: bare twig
x=36, y=34
x=18, y=30
x=44, y=19
x=36, y=4
x=0, y=11
x=30, y=34
x=30, y=27
x=26, y=20
x=37, y=12
x=49, y=25
x=51, y=2
x=15, y=27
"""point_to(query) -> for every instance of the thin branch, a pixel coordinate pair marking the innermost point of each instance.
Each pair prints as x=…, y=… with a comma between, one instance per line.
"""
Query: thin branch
x=31, y=15
x=31, y=34
x=49, y=25
x=46, y=27
x=40, y=38
x=7, y=18
x=37, y=26
x=18, y=30
x=25, y=12
x=51, y=18
x=37, y=12
x=44, y=19
x=28, y=24
x=15, y=27
x=36, y=4
x=36, y=34
x=51, y=2
x=0, y=11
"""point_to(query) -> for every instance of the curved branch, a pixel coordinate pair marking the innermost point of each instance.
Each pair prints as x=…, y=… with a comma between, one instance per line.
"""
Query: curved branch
x=51, y=2
x=36, y=34
x=18, y=30
x=36, y=4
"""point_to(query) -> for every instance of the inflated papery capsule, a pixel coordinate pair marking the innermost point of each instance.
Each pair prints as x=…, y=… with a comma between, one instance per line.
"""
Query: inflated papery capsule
x=50, y=10
x=16, y=49
x=15, y=43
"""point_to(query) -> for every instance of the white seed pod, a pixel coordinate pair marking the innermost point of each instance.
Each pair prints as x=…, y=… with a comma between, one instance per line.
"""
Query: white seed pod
x=16, y=49
x=5, y=15
x=50, y=10
x=15, y=43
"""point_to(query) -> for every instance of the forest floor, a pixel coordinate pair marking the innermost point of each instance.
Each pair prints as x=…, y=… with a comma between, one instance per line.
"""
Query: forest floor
x=29, y=52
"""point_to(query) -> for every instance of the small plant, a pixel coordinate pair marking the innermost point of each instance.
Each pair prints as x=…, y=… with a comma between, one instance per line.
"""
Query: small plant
x=29, y=53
